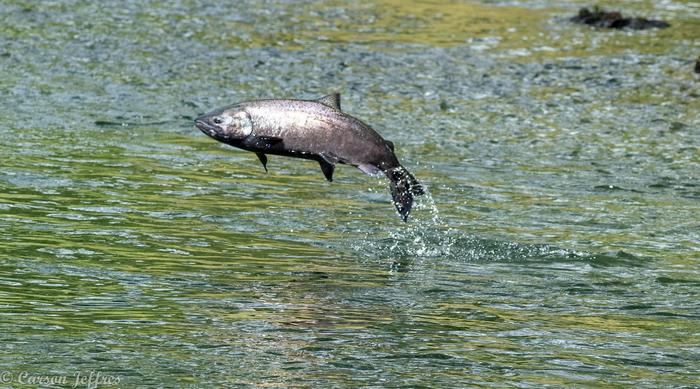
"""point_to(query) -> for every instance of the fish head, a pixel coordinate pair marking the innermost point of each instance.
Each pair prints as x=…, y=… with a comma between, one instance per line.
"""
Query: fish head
x=227, y=124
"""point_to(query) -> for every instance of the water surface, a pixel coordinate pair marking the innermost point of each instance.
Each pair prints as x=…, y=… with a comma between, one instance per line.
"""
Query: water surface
x=559, y=244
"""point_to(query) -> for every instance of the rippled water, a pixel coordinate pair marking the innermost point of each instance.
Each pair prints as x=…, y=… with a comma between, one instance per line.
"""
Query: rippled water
x=559, y=244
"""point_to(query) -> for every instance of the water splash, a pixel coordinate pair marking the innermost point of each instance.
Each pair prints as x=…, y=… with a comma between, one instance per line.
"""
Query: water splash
x=429, y=240
x=426, y=235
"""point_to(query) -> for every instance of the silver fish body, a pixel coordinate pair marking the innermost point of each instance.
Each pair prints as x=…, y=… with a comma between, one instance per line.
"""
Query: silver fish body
x=311, y=129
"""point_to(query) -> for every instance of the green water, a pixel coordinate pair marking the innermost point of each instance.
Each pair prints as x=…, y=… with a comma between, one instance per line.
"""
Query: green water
x=559, y=245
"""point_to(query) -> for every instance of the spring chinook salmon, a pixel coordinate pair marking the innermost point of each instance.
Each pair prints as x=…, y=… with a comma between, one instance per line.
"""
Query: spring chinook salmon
x=316, y=130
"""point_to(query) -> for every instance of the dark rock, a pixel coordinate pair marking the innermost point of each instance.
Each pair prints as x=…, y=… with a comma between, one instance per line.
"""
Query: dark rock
x=697, y=66
x=598, y=17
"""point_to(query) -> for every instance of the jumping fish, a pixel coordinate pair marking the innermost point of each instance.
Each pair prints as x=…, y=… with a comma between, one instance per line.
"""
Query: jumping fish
x=316, y=130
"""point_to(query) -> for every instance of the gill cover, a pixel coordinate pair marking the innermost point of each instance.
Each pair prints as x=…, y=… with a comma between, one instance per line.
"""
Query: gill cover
x=240, y=123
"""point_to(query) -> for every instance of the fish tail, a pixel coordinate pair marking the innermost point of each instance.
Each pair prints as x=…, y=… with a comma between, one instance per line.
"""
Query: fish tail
x=403, y=187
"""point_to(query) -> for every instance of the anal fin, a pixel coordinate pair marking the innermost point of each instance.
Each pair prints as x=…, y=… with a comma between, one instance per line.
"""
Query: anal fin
x=263, y=159
x=369, y=169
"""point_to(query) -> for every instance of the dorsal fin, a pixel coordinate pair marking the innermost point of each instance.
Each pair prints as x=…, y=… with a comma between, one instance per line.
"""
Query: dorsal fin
x=332, y=100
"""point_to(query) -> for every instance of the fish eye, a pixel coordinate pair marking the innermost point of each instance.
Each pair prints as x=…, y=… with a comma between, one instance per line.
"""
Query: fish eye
x=217, y=120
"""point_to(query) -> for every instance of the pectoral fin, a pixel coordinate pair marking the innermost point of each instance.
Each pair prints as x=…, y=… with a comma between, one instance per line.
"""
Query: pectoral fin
x=263, y=159
x=267, y=141
x=327, y=166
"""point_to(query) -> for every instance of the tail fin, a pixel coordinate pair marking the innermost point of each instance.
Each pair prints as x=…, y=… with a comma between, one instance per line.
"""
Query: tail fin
x=403, y=187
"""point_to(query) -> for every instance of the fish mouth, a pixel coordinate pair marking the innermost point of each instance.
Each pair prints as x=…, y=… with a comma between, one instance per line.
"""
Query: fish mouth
x=205, y=127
